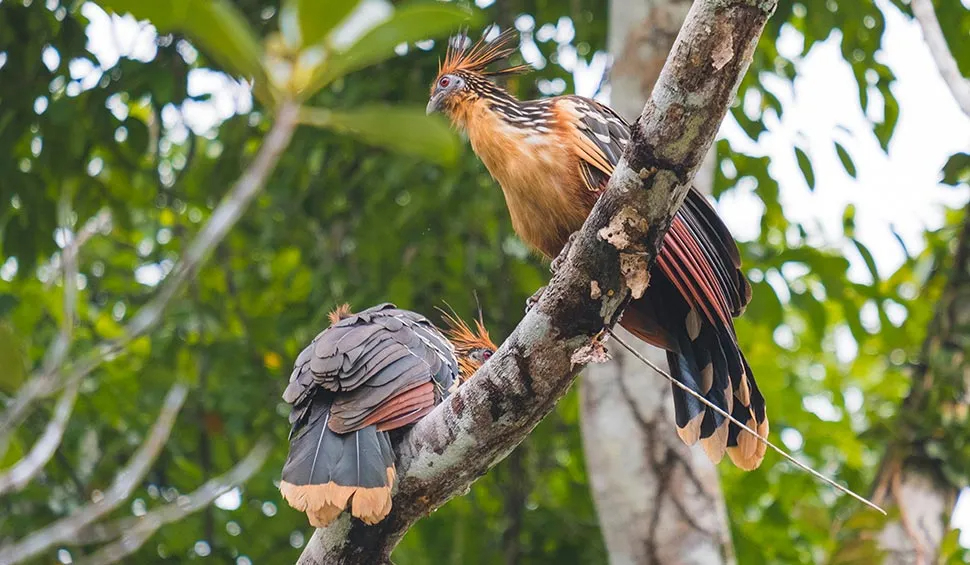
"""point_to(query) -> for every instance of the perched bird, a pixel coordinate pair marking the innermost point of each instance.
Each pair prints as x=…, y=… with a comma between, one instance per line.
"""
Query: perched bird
x=553, y=158
x=367, y=374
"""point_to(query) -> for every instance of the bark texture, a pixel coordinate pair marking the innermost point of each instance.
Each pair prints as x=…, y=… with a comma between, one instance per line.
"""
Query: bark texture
x=654, y=496
x=494, y=411
x=911, y=479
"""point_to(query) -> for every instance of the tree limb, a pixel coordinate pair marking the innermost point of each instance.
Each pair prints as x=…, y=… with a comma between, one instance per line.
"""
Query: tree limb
x=131, y=533
x=19, y=475
x=55, y=375
x=23, y=471
x=493, y=412
x=933, y=35
x=125, y=482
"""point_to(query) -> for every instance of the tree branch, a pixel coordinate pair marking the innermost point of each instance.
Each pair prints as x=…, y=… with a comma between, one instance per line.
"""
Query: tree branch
x=55, y=375
x=131, y=533
x=19, y=475
x=493, y=412
x=933, y=34
x=22, y=472
x=127, y=479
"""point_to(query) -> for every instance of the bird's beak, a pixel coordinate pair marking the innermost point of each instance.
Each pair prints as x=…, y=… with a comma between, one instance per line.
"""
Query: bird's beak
x=434, y=104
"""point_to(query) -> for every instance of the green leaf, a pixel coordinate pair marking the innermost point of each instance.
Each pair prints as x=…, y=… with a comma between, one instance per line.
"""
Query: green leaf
x=753, y=128
x=771, y=101
x=957, y=169
x=847, y=162
x=11, y=359
x=216, y=26
x=805, y=164
x=813, y=309
x=7, y=303
x=900, y=241
x=950, y=544
x=13, y=453
x=765, y=307
x=403, y=129
x=865, y=521
x=318, y=17
x=884, y=130
x=848, y=220
x=406, y=25
x=868, y=258
x=163, y=15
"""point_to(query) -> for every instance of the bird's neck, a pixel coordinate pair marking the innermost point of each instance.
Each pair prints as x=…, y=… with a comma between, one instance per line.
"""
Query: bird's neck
x=485, y=98
x=531, y=115
x=517, y=143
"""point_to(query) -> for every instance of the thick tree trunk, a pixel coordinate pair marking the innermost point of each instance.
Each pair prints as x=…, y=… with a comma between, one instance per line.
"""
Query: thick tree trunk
x=925, y=508
x=495, y=410
x=911, y=477
x=654, y=495
x=658, y=501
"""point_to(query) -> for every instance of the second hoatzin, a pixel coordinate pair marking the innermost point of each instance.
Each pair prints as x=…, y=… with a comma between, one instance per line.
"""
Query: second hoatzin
x=367, y=374
x=553, y=158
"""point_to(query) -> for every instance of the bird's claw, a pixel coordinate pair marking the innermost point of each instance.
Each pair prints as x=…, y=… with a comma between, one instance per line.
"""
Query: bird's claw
x=534, y=299
x=561, y=258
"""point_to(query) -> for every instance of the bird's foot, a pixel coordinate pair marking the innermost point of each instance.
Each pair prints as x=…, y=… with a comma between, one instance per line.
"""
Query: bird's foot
x=534, y=299
x=560, y=259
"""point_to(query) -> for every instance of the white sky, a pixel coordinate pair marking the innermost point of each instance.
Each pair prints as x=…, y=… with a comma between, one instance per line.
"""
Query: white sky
x=899, y=188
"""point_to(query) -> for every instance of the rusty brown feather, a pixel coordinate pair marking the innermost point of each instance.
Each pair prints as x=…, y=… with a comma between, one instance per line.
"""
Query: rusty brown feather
x=481, y=54
x=553, y=159
x=377, y=370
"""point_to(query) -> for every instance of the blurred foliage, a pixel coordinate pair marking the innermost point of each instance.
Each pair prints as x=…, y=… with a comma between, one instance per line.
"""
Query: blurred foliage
x=341, y=221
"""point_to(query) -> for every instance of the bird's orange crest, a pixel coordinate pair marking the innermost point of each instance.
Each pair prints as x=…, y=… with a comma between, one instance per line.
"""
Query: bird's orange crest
x=478, y=57
x=339, y=313
x=464, y=337
x=469, y=343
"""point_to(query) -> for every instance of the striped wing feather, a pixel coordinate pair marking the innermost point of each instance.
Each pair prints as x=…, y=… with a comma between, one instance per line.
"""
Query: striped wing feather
x=699, y=255
x=699, y=261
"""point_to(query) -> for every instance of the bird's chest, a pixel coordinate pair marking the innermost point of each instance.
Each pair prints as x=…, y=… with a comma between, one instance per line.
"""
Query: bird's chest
x=539, y=177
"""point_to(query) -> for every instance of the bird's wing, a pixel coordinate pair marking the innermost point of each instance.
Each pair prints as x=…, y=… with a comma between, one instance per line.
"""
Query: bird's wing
x=600, y=135
x=383, y=366
x=699, y=255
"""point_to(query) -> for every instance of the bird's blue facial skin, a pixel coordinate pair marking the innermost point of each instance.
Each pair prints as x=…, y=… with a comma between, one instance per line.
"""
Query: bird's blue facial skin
x=444, y=86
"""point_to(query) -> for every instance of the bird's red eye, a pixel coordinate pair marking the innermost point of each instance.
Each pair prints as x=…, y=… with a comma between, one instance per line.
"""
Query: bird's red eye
x=486, y=355
x=444, y=82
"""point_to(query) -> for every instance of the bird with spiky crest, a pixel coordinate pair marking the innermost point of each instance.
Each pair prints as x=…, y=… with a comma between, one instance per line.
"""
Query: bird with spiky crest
x=553, y=158
x=365, y=376
x=472, y=346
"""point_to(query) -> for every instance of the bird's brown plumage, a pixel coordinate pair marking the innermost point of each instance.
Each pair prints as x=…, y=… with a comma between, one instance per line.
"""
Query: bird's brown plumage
x=553, y=158
x=368, y=373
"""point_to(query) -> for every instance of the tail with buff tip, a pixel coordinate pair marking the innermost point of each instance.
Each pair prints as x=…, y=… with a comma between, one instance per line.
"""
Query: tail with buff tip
x=326, y=472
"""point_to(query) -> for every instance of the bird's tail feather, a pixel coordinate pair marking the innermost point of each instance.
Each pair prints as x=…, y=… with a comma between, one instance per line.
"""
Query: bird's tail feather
x=325, y=472
x=712, y=364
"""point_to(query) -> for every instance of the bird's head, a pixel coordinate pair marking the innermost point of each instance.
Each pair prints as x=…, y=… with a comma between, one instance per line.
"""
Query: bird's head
x=463, y=77
x=473, y=347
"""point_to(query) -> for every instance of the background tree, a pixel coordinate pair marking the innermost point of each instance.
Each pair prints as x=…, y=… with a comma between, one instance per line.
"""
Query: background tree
x=340, y=220
x=653, y=494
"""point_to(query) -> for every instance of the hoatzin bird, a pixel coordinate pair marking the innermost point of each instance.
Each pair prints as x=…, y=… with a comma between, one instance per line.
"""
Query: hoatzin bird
x=553, y=158
x=365, y=375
